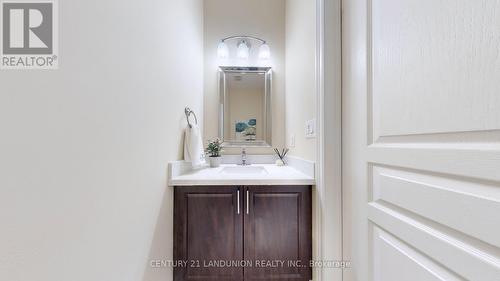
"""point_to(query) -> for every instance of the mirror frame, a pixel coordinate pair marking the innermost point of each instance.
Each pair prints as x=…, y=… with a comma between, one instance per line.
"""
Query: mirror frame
x=268, y=124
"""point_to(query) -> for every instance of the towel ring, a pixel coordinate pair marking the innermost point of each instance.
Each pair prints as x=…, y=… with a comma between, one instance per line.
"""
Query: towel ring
x=188, y=113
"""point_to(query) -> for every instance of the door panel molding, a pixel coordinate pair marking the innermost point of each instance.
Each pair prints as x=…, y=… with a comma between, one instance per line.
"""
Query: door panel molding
x=483, y=137
x=432, y=58
x=472, y=163
x=389, y=250
x=438, y=242
x=455, y=203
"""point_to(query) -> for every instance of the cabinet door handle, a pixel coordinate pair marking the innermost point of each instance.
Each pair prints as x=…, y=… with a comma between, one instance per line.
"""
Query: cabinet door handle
x=248, y=201
x=238, y=202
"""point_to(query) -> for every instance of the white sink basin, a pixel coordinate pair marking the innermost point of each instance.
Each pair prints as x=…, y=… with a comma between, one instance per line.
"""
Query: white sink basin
x=244, y=170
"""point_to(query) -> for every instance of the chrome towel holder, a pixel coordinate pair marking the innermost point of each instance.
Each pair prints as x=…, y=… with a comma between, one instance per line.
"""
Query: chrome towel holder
x=188, y=113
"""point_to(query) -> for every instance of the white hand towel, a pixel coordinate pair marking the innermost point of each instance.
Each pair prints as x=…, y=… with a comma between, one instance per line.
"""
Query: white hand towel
x=193, y=146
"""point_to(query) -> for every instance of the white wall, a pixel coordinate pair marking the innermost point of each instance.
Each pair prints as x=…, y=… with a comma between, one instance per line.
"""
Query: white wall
x=260, y=18
x=300, y=75
x=84, y=149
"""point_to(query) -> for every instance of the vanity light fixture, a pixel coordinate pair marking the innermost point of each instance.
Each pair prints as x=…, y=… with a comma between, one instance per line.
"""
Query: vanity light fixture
x=243, y=50
x=264, y=52
x=222, y=50
x=243, y=47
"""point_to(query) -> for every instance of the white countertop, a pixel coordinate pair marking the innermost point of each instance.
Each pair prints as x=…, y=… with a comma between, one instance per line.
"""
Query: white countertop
x=269, y=174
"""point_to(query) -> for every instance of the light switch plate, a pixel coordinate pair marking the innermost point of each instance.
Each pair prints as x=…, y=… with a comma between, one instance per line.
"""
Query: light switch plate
x=292, y=141
x=311, y=128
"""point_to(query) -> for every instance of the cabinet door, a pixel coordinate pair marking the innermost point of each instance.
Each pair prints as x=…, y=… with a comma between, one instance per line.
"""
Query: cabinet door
x=208, y=225
x=278, y=233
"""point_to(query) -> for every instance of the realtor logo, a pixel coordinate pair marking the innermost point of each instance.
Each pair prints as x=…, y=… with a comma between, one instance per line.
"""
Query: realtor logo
x=29, y=35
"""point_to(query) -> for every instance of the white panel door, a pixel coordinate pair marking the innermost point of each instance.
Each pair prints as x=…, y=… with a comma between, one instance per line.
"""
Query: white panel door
x=421, y=139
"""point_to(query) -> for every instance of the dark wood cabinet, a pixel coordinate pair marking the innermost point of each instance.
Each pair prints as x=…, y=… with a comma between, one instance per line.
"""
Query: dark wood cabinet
x=243, y=233
x=277, y=227
x=207, y=227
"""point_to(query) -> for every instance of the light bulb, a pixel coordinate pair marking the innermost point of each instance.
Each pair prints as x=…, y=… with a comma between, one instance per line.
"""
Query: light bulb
x=243, y=50
x=222, y=50
x=264, y=52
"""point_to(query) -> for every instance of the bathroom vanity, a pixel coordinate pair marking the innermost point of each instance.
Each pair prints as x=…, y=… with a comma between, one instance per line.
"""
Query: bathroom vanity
x=243, y=223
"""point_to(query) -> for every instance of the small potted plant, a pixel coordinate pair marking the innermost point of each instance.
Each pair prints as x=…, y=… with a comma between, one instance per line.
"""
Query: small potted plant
x=214, y=150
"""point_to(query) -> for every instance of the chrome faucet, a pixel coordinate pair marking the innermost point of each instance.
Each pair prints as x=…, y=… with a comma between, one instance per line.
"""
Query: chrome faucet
x=244, y=157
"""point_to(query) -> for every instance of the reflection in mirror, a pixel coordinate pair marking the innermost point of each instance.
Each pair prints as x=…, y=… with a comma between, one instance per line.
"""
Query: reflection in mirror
x=245, y=117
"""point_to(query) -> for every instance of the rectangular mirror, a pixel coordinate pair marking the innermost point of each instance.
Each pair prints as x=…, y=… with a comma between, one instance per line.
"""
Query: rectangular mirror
x=245, y=106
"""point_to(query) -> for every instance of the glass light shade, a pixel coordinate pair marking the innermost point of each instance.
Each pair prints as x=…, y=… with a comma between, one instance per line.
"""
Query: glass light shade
x=222, y=51
x=243, y=51
x=264, y=52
